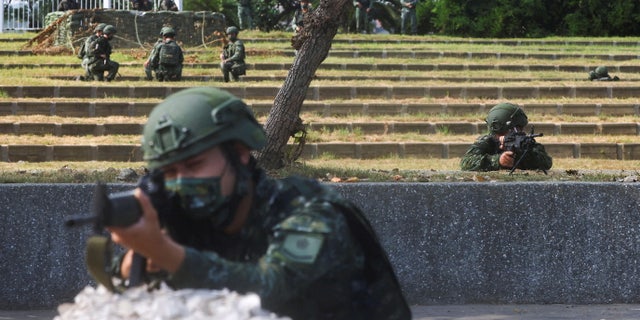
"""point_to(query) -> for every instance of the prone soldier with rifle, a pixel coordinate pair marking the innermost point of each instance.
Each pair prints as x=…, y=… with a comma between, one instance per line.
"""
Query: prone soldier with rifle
x=506, y=146
x=209, y=217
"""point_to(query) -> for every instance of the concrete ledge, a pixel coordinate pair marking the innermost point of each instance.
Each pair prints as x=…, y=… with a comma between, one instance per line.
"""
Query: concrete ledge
x=326, y=93
x=135, y=109
x=368, y=150
x=451, y=243
x=462, y=128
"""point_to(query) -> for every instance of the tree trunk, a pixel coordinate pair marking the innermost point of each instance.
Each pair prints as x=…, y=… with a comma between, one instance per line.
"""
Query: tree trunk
x=313, y=45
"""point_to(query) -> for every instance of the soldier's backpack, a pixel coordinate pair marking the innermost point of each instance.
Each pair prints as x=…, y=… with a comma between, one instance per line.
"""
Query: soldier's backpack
x=170, y=54
x=82, y=51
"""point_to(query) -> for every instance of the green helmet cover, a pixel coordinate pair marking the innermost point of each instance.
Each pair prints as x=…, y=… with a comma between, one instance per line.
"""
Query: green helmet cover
x=167, y=32
x=193, y=120
x=505, y=116
x=602, y=72
x=233, y=30
x=109, y=29
x=100, y=27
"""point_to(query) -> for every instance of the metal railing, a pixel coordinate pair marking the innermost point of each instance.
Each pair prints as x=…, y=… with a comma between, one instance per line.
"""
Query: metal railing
x=29, y=15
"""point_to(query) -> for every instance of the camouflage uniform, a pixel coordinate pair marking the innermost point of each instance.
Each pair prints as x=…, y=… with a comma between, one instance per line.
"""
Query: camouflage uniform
x=601, y=73
x=164, y=72
x=234, y=53
x=98, y=65
x=504, y=119
x=485, y=153
x=87, y=55
x=148, y=69
x=306, y=251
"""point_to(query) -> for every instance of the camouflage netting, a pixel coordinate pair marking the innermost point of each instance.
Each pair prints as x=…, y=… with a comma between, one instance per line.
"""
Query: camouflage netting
x=66, y=30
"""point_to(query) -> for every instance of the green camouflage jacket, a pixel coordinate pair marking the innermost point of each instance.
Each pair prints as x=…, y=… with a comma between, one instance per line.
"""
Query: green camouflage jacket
x=155, y=58
x=307, y=252
x=234, y=51
x=100, y=46
x=485, y=153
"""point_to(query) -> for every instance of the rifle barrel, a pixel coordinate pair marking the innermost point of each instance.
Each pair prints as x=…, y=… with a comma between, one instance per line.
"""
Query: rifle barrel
x=79, y=221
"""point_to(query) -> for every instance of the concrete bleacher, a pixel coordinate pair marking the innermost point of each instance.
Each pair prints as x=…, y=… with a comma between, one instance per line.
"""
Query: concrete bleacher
x=432, y=84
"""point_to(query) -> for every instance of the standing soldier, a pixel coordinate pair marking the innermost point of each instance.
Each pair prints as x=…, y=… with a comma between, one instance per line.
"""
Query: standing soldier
x=408, y=14
x=232, y=57
x=488, y=153
x=101, y=59
x=363, y=7
x=245, y=14
x=302, y=10
x=166, y=58
x=85, y=53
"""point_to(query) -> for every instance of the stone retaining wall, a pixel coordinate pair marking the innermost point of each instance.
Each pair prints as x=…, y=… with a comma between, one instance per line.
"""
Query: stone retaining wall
x=451, y=243
x=136, y=29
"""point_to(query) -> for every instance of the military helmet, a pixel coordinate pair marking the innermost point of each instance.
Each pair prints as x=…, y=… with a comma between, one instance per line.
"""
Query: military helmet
x=233, y=30
x=602, y=72
x=167, y=32
x=100, y=27
x=193, y=120
x=109, y=29
x=505, y=116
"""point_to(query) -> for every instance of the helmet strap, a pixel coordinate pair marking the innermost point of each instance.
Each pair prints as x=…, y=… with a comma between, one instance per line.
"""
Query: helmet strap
x=243, y=177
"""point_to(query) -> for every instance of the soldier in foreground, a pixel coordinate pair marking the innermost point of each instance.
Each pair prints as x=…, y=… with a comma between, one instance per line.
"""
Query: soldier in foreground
x=166, y=58
x=491, y=152
x=232, y=57
x=305, y=250
x=100, y=60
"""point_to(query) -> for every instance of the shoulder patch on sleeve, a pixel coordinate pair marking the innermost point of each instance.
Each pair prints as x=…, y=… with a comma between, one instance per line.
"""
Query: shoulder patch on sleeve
x=305, y=223
x=302, y=247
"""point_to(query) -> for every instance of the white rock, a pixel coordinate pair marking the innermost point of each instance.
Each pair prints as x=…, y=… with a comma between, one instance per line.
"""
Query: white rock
x=163, y=304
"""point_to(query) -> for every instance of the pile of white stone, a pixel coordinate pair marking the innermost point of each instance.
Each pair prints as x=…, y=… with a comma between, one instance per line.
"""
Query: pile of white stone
x=164, y=303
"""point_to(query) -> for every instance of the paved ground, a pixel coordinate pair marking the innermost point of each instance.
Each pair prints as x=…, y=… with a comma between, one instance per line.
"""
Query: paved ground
x=462, y=312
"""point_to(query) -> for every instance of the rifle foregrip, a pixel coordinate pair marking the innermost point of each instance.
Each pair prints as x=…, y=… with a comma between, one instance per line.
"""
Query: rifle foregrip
x=138, y=270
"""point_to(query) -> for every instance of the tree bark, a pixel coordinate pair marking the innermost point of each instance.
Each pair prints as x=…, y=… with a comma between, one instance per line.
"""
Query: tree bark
x=313, y=45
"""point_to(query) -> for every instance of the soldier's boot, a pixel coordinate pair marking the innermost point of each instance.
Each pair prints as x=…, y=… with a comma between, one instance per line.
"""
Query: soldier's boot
x=148, y=75
x=225, y=75
x=110, y=76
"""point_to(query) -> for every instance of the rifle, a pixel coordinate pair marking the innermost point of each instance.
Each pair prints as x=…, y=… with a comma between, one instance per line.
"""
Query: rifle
x=120, y=209
x=520, y=143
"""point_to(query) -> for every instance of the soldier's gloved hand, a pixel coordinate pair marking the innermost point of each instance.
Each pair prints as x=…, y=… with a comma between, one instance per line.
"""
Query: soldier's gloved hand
x=501, y=140
x=127, y=260
x=507, y=159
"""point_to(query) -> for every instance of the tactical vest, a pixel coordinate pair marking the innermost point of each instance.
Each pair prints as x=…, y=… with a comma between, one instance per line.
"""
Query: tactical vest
x=170, y=54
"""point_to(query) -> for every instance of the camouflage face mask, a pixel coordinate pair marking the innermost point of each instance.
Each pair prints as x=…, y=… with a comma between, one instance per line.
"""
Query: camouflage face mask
x=202, y=198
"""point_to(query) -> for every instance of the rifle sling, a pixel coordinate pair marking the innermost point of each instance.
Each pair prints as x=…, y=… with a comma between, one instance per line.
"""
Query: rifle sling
x=98, y=258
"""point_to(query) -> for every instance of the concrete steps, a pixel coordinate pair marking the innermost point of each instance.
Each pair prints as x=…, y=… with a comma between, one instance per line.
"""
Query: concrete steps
x=362, y=150
x=387, y=67
x=426, y=87
x=97, y=108
x=600, y=90
x=366, y=128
